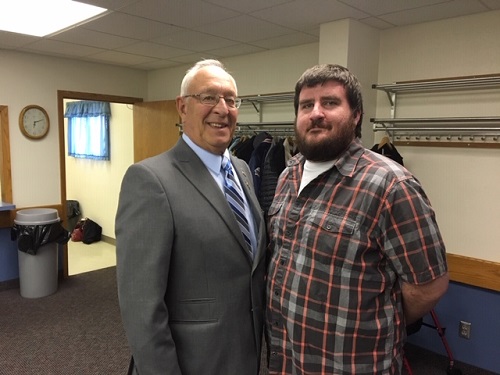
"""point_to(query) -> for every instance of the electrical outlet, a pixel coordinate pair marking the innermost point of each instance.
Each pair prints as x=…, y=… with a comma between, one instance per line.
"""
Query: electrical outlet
x=464, y=330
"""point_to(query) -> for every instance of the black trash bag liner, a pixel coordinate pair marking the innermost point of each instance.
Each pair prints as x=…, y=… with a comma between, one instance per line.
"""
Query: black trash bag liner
x=31, y=237
x=73, y=213
x=72, y=208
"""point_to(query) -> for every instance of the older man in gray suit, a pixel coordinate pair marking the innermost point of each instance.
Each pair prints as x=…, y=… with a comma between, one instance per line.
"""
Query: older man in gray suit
x=190, y=283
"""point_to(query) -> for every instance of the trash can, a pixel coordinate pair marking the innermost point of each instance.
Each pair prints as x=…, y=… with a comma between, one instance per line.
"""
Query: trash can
x=38, y=232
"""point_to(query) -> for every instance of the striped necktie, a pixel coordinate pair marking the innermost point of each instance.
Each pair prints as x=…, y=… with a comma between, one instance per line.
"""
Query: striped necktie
x=234, y=197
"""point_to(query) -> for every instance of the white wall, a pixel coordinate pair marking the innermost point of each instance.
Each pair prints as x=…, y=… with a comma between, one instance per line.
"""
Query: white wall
x=462, y=183
x=96, y=184
x=35, y=79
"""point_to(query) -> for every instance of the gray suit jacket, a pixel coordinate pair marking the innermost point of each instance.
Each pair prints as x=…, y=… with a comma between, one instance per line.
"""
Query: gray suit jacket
x=190, y=295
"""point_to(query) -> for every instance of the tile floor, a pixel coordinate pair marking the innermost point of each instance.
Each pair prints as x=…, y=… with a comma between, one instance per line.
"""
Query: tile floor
x=84, y=258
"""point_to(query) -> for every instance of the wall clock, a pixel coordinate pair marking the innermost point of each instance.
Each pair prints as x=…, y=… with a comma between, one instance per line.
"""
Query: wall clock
x=34, y=122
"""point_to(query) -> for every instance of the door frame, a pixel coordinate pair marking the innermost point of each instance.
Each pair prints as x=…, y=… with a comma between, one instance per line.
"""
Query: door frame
x=61, y=96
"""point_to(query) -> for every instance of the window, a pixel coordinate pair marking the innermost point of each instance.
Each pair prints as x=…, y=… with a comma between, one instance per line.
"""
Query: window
x=88, y=129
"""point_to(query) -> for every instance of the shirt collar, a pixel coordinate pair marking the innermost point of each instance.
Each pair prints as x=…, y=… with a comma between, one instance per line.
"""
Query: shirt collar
x=212, y=161
x=349, y=159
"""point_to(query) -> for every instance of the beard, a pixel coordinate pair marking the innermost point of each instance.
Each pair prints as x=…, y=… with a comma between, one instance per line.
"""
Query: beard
x=329, y=148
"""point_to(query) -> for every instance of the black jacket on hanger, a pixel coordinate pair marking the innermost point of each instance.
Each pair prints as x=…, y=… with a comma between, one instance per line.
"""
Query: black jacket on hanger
x=274, y=164
x=389, y=150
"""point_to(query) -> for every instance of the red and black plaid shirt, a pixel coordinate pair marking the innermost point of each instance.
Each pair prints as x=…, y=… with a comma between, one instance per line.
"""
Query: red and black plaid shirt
x=339, y=252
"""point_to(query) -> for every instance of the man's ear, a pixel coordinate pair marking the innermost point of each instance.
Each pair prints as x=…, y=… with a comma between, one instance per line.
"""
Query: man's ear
x=357, y=116
x=181, y=106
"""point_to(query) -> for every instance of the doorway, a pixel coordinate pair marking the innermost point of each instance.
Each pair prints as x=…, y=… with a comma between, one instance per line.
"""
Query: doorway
x=101, y=251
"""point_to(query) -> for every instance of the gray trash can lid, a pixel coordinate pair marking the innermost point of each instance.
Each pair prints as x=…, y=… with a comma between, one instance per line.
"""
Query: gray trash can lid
x=36, y=216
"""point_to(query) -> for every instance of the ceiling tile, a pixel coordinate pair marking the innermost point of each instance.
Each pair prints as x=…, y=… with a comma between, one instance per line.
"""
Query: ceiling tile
x=248, y=6
x=153, y=50
x=379, y=7
x=193, y=40
x=288, y=40
x=377, y=23
x=110, y=4
x=157, y=64
x=244, y=29
x=492, y=4
x=435, y=12
x=150, y=34
x=13, y=40
x=185, y=13
x=121, y=58
x=303, y=14
x=193, y=57
x=129, y=26
x=93, y=38
x=61, y=48
x=236, y=50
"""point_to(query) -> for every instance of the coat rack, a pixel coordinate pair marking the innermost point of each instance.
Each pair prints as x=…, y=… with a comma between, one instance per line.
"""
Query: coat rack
x=284, y=128
x=451, y=131
x=257, y=102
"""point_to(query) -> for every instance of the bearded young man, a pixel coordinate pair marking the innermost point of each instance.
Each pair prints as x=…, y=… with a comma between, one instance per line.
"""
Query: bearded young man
x=356, y=253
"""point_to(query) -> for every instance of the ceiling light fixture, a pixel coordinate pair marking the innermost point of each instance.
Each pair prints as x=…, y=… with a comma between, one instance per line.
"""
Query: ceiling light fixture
x=42, y=18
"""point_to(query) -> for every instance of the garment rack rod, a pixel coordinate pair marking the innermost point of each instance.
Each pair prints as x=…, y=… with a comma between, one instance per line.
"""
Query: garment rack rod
x=265, y=123
x=472, y=82
x=283, y=97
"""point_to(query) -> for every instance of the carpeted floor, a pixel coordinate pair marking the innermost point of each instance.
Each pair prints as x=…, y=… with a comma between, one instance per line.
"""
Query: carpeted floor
x=78, y=331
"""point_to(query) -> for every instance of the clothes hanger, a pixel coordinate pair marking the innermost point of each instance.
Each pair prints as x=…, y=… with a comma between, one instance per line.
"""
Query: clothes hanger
x=385, y=141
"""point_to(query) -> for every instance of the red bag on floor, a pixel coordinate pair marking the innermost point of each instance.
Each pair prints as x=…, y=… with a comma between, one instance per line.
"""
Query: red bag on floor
x=87, y=231
x=77, y=234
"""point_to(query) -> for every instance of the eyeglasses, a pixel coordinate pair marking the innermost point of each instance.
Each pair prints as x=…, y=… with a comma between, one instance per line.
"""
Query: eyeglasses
x=213, y=100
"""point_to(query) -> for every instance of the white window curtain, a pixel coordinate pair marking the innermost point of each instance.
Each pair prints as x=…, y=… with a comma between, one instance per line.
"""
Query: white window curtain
x=88, y=129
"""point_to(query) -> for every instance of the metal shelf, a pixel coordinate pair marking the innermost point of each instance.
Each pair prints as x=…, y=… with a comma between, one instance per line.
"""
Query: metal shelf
x=257, y=101
x=438, y=120
x=273, y=98
x=440, y=84
x=441, y=126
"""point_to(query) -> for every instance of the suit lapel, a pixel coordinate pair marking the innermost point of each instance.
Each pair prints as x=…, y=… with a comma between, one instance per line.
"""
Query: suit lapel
x=190, y=165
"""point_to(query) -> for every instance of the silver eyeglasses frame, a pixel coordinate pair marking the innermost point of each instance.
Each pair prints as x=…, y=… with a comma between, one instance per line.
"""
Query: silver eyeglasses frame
x=213, y=100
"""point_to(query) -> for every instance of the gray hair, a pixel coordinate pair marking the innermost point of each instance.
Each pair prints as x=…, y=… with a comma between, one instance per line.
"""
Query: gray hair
x=191, y=72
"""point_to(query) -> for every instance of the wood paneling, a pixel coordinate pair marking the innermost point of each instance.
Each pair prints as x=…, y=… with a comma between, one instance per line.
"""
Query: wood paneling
x=476, y=272
x=6, y=217
x=463, y=144
x=155, y=128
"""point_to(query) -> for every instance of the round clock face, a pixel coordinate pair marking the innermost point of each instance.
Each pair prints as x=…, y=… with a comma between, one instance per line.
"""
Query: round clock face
x=34, y=122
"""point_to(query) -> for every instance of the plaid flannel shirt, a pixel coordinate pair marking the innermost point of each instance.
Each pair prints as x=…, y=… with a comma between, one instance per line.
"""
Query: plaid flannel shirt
x=339, y=252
